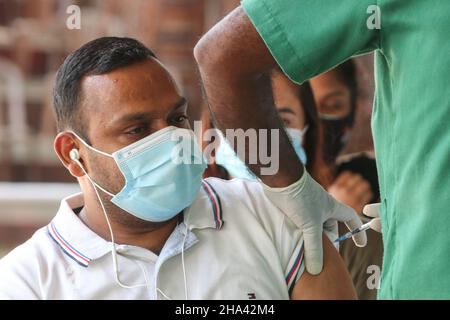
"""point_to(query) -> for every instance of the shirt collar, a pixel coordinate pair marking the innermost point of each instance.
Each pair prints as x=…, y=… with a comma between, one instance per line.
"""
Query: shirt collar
x=83, y=245
x=73, y=236
x=206, y=210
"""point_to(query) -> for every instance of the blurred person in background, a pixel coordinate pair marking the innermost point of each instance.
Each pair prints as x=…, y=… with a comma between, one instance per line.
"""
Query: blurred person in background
x=297, y=109
x=354, y=179
x=146, y=226
x=335, y=94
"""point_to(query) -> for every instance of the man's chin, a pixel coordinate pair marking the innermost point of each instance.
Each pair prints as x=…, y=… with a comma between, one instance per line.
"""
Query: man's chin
x=130, y=221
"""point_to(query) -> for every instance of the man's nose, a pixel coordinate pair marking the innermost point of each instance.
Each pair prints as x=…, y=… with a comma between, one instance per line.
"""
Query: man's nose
x=160, y=124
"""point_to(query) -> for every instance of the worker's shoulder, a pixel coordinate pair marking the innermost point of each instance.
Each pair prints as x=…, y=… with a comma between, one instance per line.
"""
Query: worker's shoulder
x=22, y=269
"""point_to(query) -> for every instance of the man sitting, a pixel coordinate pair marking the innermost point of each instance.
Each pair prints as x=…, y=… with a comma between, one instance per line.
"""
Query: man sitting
x=145, y=226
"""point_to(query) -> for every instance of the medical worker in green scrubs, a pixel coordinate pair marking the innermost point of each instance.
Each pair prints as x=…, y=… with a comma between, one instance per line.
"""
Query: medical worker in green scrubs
x=410, y=121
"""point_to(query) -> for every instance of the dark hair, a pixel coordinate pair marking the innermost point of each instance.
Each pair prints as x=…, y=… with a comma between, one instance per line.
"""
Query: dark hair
x=314, y=136
x=97, y=57
x=346, y=72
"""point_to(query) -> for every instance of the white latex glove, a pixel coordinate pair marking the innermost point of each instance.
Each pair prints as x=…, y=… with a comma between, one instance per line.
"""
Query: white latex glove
x=312, y=209
x=373, y=210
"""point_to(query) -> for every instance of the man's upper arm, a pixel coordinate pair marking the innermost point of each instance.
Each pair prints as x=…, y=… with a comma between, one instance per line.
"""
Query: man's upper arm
x=334, y=282
x=308, y=37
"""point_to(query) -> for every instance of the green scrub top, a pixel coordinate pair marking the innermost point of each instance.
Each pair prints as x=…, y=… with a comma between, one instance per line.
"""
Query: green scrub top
x=410, y=120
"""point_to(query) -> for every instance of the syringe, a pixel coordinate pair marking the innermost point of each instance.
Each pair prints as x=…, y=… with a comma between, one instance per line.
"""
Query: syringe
x=374, y=223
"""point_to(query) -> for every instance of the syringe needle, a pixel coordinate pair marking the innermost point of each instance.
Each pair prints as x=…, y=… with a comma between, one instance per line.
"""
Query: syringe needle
x=353, y=232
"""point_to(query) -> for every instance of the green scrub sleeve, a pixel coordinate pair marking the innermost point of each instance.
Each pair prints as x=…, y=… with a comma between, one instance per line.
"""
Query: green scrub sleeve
x=308, y=37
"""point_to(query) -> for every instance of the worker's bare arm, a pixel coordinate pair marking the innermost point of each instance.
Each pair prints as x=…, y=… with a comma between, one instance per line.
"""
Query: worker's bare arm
x=235, y=64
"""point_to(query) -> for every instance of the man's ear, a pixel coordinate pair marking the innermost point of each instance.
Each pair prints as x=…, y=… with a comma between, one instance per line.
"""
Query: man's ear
x=63, y=144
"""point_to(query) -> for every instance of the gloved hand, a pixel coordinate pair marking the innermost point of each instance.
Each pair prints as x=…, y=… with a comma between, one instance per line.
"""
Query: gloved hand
x=312, y=209
x=372, y=210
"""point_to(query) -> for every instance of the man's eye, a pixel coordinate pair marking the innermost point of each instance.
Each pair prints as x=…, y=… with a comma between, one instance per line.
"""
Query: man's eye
x=180, y=119
x=136, y=130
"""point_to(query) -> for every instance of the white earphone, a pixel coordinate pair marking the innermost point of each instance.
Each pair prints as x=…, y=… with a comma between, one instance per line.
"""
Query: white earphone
x=74, y=154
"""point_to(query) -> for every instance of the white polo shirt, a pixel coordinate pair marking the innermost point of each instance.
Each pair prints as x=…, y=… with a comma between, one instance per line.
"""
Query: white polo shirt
x=238, y=246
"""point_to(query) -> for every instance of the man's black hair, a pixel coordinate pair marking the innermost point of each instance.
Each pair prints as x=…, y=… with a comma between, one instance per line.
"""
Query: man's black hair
x=97, y=57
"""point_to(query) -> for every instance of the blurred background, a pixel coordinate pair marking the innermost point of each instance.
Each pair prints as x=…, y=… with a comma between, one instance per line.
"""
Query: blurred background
x=34, y=41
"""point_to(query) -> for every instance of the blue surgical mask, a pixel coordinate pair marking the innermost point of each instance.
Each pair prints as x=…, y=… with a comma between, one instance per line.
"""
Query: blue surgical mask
x=297, y=137
x=162, y=171
x=227, y=157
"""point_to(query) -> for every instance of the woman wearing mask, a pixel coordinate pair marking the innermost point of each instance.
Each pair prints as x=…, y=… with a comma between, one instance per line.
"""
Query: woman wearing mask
x=319, y=126
x=328, y=104
x=354, y=176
